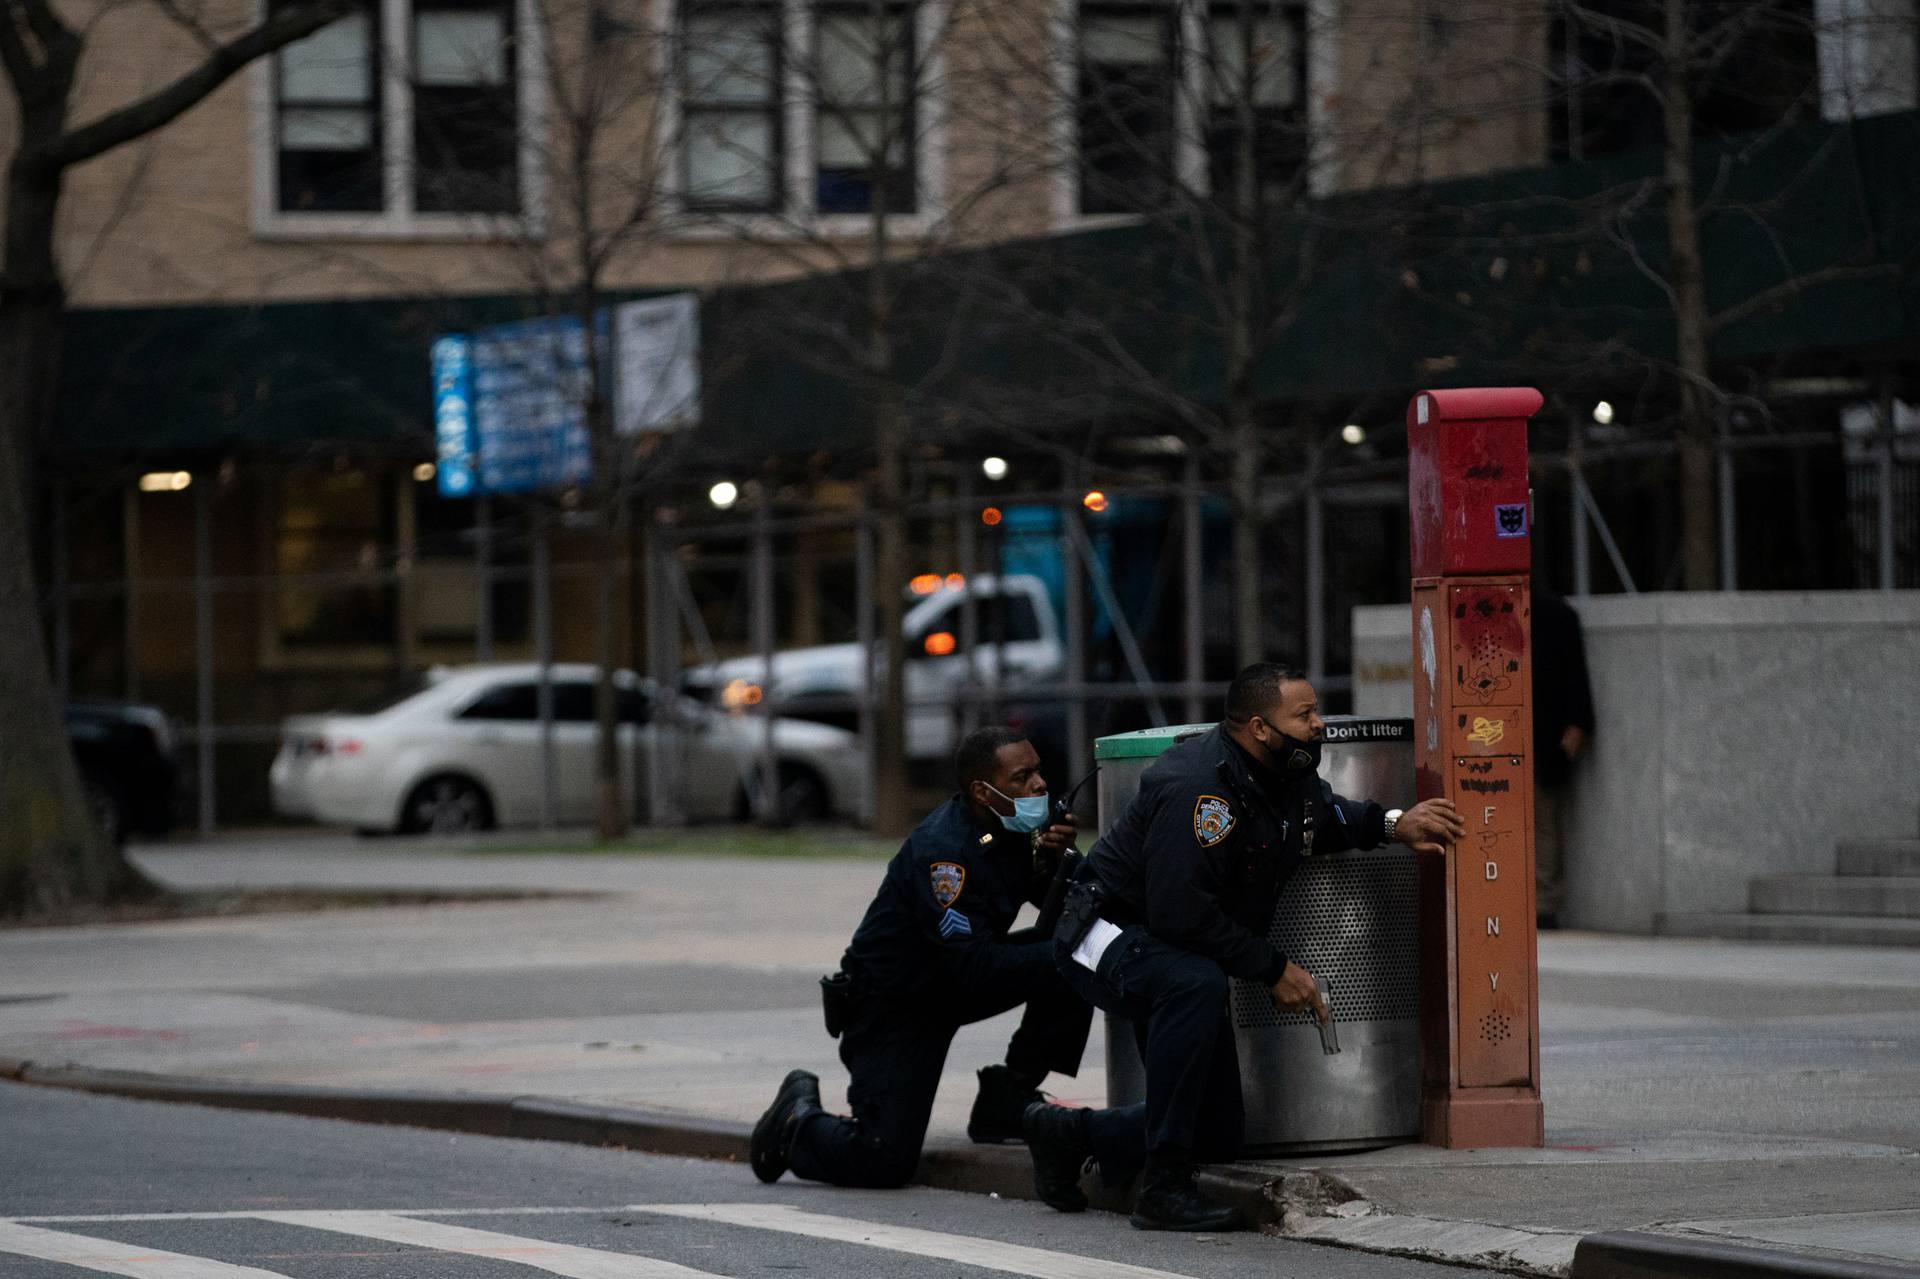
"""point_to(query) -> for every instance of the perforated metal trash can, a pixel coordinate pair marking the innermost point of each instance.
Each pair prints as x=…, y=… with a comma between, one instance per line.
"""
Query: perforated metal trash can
x=1350, y=918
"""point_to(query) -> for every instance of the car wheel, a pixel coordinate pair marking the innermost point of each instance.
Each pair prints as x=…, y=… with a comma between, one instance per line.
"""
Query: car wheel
x=105, y=807
x=446, y=805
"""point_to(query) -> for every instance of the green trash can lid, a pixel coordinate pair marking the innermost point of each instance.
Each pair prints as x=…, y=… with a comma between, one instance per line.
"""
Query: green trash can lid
x=1144, y=743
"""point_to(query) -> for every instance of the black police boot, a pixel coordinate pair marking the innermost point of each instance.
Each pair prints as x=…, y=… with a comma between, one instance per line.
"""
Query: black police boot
x=1004, y=1097
x=773, y=1136
x=1057, y=1140
x=1170, y=1201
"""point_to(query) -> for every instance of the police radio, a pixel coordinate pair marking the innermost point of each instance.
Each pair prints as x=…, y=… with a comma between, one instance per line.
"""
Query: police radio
x=1070, y=859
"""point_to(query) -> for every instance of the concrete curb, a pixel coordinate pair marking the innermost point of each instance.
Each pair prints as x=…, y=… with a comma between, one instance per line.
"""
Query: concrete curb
x=1638, y=1254
x=1309, y=1206
x=483, y=1114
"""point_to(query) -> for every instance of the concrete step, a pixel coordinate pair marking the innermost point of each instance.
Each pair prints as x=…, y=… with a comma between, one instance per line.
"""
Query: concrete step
x=1834, y=895
x=1844, y=930
x=1879, y=856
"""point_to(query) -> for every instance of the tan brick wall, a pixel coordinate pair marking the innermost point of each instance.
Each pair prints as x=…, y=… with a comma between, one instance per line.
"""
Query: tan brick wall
x=1423, y=89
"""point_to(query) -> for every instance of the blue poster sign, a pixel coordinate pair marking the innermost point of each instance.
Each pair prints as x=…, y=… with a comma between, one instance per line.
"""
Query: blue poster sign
x=453, y=416
x=530, y=423
x=509, y=407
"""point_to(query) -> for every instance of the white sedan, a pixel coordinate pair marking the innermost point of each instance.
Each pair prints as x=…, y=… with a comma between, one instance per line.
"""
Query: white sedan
x=460, y=750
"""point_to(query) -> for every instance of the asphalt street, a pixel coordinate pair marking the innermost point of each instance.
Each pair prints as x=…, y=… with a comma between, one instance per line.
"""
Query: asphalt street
x=102, y=1185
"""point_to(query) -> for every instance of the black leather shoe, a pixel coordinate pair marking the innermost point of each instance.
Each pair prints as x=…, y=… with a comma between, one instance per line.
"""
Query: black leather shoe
x=1057, y=1140
x=773, y=1136
x=999, y=1106
x=1170, y=1201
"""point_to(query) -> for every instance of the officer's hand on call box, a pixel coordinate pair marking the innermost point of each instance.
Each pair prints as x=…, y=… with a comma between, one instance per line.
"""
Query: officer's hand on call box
x=1295, y=991
x=1428, y=825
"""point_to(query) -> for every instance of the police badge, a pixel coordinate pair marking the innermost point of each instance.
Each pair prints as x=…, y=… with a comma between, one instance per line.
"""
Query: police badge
x=948, y=879
x=1212, y=820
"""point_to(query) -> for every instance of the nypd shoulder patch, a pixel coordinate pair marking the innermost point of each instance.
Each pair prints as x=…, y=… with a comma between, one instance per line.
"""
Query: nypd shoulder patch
x=948, y=879
x=954, y=924
x=1213, y=821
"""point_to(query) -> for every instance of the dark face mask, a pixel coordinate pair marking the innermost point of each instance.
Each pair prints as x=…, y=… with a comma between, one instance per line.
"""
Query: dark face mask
x=1289, y=756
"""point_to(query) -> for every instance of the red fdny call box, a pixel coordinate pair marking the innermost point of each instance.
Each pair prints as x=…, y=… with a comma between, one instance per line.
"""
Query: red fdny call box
x=1467, y=481
x=1472, y=663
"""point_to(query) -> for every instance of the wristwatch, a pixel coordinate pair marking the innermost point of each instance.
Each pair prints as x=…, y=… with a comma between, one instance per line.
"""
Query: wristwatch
x=1393, y=819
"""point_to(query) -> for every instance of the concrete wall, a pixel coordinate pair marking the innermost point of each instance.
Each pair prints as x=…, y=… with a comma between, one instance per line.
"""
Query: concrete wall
x=1738, y=735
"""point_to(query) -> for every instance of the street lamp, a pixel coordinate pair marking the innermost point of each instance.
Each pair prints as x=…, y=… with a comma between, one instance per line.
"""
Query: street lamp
x=724, y=494
x=1353, y=433
x=994, y=468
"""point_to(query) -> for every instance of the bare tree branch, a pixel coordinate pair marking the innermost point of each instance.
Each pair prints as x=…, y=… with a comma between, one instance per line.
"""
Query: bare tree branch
x=167, y=104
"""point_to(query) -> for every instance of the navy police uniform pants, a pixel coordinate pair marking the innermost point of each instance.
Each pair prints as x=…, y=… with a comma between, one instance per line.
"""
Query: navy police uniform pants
x=1178, y=1003
x=896, y=1048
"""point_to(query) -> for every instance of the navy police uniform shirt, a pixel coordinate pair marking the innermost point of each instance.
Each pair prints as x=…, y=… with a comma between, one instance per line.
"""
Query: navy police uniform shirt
x=1200, y=855
x=950, y=895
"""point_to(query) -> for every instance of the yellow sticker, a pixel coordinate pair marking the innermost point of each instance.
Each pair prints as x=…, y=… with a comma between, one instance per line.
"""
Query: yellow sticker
x=1486, y=731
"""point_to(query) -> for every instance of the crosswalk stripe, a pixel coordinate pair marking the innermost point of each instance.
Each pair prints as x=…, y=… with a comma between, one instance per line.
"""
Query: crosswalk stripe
x=988, y=1254
x=539, y=1254
x=110, y=1256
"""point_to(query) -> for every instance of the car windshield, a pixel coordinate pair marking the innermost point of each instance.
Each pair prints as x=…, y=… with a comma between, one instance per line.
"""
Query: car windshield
x=393, y=695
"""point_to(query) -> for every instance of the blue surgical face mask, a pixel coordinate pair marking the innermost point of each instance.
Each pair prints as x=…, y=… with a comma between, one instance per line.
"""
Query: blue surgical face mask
x=1029, y=811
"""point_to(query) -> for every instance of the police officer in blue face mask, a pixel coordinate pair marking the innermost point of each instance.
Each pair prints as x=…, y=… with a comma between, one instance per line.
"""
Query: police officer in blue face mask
x=933, y=954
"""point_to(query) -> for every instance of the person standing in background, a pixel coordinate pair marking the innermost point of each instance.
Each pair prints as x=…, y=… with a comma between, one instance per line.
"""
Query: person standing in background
x=1562, y=726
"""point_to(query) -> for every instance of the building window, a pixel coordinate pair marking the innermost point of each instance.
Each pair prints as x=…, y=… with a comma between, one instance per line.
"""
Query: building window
x=452, y=65
x=465, y=118
x=1256, y=56
x=1125, y=110
x=327, y=88
x=731, y=101
x=849, y=106
x=863, y=118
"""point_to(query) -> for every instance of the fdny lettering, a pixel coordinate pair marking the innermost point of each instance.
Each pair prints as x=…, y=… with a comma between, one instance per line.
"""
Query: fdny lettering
x=1493, y=870
x=1213, y=821
x=1486, y=818
x=1495, y=979
x=948, y=879
x=1493, y=925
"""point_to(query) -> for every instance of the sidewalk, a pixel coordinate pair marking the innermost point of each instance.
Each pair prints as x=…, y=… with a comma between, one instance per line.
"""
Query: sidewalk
x=1713, y=1092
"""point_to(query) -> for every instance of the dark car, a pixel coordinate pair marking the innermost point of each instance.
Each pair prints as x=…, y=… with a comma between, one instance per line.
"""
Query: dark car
x=129, y=765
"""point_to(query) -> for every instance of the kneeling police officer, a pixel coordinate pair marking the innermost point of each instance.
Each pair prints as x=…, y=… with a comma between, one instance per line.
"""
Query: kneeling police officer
x=1176, y=898
x=933, y=954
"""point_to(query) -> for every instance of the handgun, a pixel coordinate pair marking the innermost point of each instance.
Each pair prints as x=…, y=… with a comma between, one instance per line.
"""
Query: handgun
x=1329, y=1032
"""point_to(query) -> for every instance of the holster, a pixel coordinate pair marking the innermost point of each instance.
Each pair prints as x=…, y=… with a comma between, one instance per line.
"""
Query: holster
x=841, y=998
x=1077, y=913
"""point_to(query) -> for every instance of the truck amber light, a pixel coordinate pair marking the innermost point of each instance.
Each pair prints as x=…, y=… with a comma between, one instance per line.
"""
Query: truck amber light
x=956, y=580
x=940, y=644
x=1095, y=501
x=925, y=584
x=990, y=516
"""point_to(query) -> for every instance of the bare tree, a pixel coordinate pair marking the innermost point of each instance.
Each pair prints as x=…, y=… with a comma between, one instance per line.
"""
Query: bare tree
x=1715, y=86
x=910, y=155
x=50, y=852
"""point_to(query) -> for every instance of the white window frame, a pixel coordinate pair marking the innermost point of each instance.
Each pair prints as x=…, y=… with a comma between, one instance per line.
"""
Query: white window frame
x=399, y=220
x=1189, y=130
x=800, y=218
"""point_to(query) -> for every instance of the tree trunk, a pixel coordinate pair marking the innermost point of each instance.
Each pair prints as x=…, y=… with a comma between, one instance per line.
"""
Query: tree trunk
x=51, y=853
x=1699, y=528
x=891, y=810
x=610, y=808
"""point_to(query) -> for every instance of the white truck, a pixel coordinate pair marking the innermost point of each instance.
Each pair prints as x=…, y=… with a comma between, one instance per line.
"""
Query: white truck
x=823, y=682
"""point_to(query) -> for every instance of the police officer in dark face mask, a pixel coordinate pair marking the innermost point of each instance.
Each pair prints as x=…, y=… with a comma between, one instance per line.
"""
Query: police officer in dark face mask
x=933, y=954
x=1175, y=899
